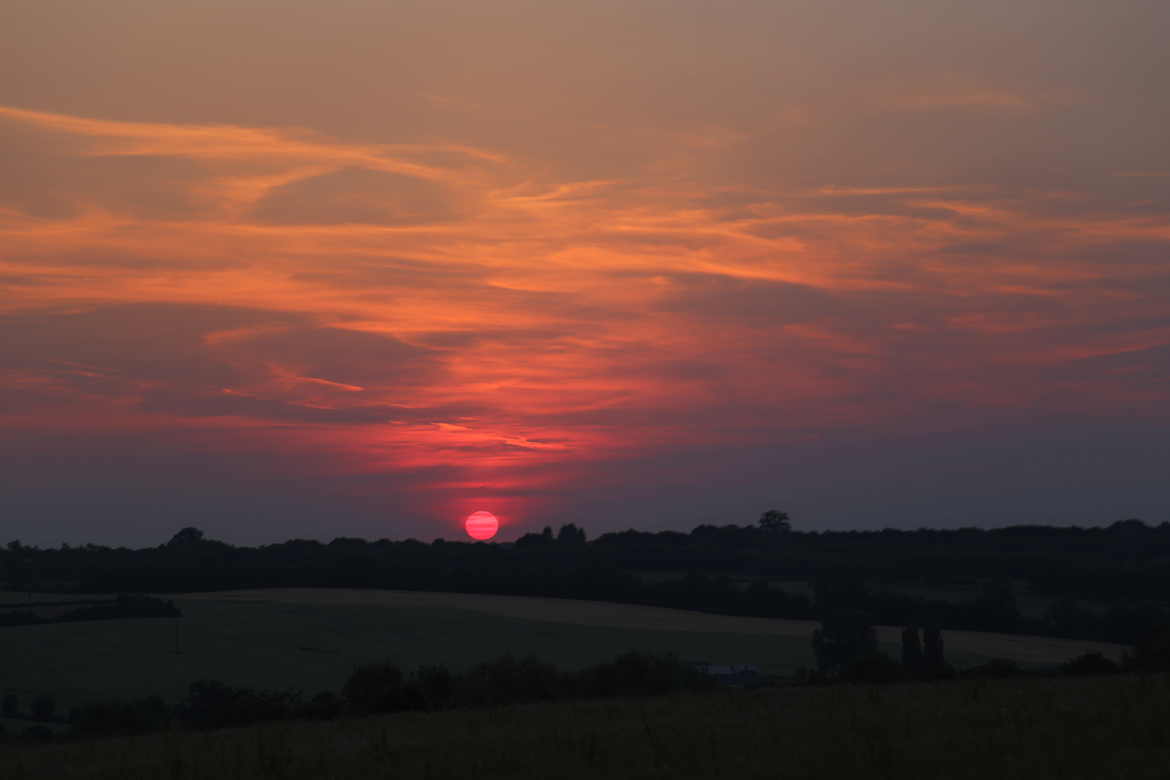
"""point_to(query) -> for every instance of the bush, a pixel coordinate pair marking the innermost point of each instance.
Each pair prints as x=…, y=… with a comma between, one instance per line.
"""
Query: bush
x=1089, y=664
x=875, y=667
x=436, y=686
x=324, y=706
x=996, y=667
x=126, y=606
x=845, y=637
x=121, y=717
x=43, y=707
x=211, y=704
x=38, y=733
x=1152, y=654
x=640, y=674
x=24, y=618
x=375, y=688
x=510, y=681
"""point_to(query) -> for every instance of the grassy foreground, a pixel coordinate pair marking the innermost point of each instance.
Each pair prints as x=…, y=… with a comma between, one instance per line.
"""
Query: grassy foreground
x=1034, y=728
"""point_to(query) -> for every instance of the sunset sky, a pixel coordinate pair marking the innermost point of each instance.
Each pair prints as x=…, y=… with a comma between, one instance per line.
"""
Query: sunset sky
x=358, y=268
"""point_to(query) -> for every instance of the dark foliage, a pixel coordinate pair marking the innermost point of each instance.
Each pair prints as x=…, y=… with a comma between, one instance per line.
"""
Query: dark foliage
x=21, y=618
x=324, y=706
x=639, y=674
x=995, y=668
x=934, y=661
x=126, y=606
x=211, y=704
x=120, y=717
x=383, y=688
x=775, y=521
x=123, y=607
x=1089, y=664
x=1108, y=583
x=38, y=733
x=376, y=688
x=43, y=707
x=873, y=667
x=912, y=658
x=436, y=687
x=845, y=639
x=508, y=680
x=1152, y=654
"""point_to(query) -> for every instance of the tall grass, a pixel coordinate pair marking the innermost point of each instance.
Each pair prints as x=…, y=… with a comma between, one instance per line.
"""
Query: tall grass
x=1003, y=729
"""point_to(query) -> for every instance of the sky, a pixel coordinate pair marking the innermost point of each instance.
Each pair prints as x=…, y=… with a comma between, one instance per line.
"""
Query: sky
x=356, y=268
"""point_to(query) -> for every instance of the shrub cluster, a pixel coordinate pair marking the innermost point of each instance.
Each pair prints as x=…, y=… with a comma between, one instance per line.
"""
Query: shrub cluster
x=509, y=680
x=384, y=687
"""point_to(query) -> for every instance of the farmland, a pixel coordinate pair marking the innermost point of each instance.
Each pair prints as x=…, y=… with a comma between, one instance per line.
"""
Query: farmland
x=310, y=639
x=1033, y=728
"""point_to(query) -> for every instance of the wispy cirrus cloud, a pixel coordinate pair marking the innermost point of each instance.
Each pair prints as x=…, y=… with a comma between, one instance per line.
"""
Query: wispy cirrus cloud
x=494, y=283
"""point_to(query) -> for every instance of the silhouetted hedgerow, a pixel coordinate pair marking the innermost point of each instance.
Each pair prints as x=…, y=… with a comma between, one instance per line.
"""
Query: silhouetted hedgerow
x=121, y=717
x=211, y=704
x=1109, y=583
x=1089, y=664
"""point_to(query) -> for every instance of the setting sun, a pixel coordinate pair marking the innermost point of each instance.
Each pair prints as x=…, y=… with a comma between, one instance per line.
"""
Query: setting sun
x=481, y=525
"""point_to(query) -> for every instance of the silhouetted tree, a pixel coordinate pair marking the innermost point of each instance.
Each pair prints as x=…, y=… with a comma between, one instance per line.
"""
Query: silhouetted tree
x=873, y=667
x=933, y=657
x=324, y=706
x=211, y=704
x=534, y=541
x=109, y=718
x=996, y=668
x=1089, y=664
x=1069, y=617
x=996, y=608
x=504, y=680
x=641, y=674
x=436, y=686
x=375, y=688
x=571, y=534
x=911, y=649
x=11, y=705
x=43, y=707
x=776, y=521
x=841, y=591
x=37, y=733
x=18, y=567
x=1152, y=654
x=186, y=537
x=845, y=637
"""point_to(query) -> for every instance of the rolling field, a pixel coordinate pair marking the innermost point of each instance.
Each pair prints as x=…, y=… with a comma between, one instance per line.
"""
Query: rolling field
x=1085, y=729
x=312, y=639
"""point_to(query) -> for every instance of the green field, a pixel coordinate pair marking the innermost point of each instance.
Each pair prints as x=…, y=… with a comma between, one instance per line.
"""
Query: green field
x=1100, y=729
x=311, y=639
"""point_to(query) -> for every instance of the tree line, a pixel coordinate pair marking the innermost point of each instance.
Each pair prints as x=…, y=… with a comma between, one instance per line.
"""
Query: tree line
x=1110, y=583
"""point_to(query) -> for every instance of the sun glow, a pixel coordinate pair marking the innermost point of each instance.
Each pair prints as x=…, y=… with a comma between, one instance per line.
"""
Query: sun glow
x=481, y=525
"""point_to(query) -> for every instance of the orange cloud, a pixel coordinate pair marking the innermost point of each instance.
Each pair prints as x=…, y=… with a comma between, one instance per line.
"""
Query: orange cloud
x=493, y=327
